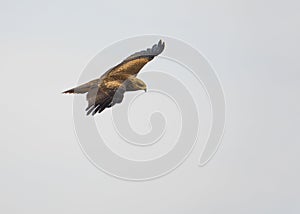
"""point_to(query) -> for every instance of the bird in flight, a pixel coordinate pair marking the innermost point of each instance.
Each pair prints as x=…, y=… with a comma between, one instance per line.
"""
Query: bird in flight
x=109, y=89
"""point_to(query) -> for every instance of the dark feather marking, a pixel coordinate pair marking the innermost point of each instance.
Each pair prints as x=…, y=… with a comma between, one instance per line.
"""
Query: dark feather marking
x=96, y=107
x=100, y=110
x=101, y=106
x=89, y=111
x=89, y=107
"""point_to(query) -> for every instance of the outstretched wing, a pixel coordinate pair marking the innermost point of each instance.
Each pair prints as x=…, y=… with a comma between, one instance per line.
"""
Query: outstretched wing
x=104, y=96
x=149, y=52
x=135, y=62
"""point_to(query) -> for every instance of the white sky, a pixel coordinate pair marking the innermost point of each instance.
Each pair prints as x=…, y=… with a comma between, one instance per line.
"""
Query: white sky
x=254, y=47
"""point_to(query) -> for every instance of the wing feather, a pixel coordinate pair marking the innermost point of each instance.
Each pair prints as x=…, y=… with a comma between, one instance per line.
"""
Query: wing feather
x=104, y=96
x=135, y=62
x=149, y=52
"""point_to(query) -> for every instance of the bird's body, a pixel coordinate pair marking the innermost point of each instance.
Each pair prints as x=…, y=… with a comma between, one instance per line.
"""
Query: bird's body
x=109, y=89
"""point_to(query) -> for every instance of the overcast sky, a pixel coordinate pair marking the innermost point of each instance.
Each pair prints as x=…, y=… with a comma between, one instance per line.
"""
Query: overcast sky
x=254, y=48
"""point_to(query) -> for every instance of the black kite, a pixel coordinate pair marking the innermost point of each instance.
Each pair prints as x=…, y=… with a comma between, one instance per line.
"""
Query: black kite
x=109, y=89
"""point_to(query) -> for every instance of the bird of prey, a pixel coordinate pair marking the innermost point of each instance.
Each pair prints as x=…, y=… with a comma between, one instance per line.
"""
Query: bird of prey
x=109, y=89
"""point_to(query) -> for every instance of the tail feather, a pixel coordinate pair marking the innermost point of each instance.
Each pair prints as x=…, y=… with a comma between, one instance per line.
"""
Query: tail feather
x=84, y=88
x=71, y=91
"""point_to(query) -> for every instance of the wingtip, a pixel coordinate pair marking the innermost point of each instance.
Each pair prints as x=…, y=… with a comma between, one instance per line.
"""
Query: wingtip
x=161, y=43
x=158, y=48
x=151, y=52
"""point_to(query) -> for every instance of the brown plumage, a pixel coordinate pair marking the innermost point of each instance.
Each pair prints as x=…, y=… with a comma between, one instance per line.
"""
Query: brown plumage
x=109, y=89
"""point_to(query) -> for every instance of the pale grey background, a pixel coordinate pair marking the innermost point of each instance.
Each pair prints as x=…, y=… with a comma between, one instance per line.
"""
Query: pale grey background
x=254, y=47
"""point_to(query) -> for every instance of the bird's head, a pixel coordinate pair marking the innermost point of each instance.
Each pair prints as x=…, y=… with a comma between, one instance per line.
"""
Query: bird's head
x=135, y=84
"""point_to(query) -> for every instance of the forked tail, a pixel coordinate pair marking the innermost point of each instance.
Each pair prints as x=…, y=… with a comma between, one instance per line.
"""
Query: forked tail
x=84, y=88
